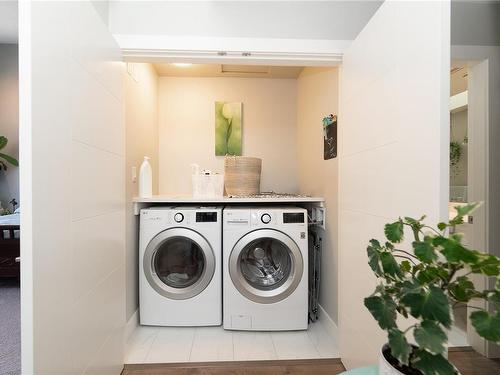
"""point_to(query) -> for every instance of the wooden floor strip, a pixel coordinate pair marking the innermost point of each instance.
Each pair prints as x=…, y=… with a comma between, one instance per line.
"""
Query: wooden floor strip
x=465, y=359
x=300, y=367
x=469, y=362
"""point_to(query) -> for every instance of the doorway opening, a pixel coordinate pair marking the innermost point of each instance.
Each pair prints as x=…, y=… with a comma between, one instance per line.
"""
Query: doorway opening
x=459, y=142
x=282, y=108
x=10, y=305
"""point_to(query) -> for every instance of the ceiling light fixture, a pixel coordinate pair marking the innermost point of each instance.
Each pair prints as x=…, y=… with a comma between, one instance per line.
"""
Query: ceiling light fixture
x=182, y=65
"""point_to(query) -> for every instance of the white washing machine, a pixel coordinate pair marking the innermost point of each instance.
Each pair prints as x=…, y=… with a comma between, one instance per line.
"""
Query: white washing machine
x=180, y=266
x=265, y=268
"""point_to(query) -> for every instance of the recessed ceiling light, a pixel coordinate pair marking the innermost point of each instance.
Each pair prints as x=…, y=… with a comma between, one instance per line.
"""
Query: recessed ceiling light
x=182, y=65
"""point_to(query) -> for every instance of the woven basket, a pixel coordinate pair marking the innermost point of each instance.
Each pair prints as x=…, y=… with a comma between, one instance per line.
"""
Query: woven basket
x=242, y=175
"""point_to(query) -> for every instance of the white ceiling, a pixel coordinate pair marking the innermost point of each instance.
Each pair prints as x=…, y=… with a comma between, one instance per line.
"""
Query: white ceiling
x=8, y=22
x=458, y=77
x=225, y=70
x=310, y=19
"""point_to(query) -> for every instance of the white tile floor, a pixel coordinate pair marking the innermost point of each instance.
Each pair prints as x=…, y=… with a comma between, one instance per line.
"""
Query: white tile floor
x=207, y=344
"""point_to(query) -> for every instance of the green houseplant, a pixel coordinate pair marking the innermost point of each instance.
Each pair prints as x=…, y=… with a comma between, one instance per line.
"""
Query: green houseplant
x=4, y=158
x=424, y=284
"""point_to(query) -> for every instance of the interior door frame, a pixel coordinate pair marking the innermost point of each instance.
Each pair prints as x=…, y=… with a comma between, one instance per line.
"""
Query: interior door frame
x=480, y=60
x=25, y=186
x=477, y=181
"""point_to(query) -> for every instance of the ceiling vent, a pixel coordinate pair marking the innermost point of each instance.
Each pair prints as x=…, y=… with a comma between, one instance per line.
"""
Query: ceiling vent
x=245, y=69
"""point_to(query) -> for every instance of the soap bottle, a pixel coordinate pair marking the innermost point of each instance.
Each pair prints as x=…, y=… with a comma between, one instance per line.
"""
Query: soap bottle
x=145, y=179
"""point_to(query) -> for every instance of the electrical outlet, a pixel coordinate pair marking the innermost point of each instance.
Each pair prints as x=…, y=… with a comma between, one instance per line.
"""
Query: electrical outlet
x=134, y=175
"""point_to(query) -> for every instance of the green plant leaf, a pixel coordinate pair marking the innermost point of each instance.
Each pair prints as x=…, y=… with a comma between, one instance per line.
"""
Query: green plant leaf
x=488, y=265
x=394, y=231
x=405, y=266
x=454, y=251
x=430, y=336
x=413, y=222
x=400, y=349
x=463, y=211
x=486, y=325
x=373, y=251
x=383, y=310
x=389, y=264
x=429, y=274
x=424, y=251
x=432, y=364
x=442, y=226
x=467, y=209
x=462, y=289
x=431, y=305
x=3, y=142
x=9, y=159
x=494, y=299
x=408, y=287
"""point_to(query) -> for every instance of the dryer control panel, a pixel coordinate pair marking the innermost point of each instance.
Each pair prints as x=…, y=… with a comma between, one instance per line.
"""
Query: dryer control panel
x=293, y=217
x=206, y=217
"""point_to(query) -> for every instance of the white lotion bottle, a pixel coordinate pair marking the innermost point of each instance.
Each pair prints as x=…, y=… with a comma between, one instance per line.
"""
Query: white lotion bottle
x=145, y=179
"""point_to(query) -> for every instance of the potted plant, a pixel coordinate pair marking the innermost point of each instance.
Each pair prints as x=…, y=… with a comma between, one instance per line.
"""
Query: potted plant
x=5, y=157
x=424, y=284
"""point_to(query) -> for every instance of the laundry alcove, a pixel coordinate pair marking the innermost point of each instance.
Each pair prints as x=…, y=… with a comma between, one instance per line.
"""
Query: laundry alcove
x=170, y=117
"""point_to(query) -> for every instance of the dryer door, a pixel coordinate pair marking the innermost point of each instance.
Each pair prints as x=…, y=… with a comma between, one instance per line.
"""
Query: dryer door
x=266, y=266
x=179, y=263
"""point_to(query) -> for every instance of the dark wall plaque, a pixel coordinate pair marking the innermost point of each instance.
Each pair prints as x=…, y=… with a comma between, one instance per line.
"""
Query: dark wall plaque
x=330, y=137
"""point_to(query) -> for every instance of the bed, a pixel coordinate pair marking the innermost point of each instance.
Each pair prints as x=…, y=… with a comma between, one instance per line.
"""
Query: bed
x=10, y=245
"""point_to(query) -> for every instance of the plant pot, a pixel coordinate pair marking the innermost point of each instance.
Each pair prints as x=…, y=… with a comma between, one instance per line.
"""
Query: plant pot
x=388, y=365
x=384, y=367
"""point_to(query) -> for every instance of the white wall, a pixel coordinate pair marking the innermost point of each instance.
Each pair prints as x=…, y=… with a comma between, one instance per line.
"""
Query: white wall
x=394, y=135
x=9, y=120
x=102, y=9
x=186, y=122
x=141, y=119
x=248, y=19
x=73, y=188
x=317, y=97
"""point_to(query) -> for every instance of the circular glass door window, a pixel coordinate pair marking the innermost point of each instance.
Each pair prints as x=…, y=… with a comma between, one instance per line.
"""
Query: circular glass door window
x=265, y=263
x=266, y=266
x=179, y=262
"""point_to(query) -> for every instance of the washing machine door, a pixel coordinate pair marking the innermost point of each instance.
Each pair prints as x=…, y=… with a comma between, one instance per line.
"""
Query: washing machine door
x=266, y=266
x=179, y=263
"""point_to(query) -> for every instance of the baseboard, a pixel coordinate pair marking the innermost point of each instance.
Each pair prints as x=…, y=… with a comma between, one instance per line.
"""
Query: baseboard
x=327, y=322
x=131, y=325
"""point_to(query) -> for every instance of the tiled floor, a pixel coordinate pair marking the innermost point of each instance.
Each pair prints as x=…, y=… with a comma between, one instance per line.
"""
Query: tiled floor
x=205, y=344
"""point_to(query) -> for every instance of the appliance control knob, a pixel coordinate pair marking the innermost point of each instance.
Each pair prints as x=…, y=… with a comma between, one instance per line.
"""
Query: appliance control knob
x=178, y=217
x=265, y=218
